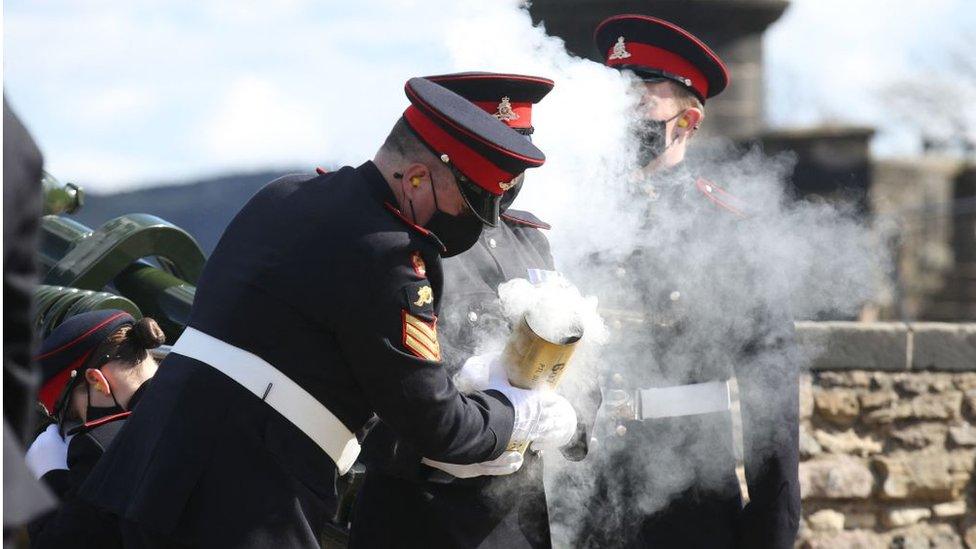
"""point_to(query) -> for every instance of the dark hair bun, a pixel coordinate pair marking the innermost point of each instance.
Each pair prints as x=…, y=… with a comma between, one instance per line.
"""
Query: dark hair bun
x=147, y=334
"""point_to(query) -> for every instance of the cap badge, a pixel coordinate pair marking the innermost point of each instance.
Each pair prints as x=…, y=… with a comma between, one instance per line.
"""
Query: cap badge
x=505, y=112
x=619, y=50
x=419, y=266
x=424, y=296
x=445, y=159
x=506, y=186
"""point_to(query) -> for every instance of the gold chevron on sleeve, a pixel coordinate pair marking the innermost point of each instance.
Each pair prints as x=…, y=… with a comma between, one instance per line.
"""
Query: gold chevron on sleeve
x=420, y=337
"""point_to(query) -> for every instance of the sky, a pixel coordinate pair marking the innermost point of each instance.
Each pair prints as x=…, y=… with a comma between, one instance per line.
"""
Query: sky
x=124, y=94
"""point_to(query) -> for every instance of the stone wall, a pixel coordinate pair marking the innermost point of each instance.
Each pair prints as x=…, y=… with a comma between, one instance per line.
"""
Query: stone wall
x=888, y=435
x=926, y=206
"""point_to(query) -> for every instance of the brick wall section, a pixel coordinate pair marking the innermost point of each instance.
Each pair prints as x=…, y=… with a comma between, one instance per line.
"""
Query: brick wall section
x=888, y=435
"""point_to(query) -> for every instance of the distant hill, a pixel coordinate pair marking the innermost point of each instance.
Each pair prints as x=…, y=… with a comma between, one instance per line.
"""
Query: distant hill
x=202, y=208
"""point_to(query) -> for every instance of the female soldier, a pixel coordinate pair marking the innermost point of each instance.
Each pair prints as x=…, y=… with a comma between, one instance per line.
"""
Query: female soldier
x=95, y=366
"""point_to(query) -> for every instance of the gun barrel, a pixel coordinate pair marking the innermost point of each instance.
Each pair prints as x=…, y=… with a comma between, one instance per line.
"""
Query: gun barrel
x=61, y=197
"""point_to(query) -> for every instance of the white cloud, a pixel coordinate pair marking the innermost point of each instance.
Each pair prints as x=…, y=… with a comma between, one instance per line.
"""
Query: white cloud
x=208, y=86
x=834, y=60
x=257, y=120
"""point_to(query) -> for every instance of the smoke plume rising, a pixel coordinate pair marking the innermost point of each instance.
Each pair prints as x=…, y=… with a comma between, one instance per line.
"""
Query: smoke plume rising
x=658, y=251
x=780, y=259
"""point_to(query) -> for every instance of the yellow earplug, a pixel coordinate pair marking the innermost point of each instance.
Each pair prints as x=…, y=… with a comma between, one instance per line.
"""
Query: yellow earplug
x=682, y=123
x=415, y=181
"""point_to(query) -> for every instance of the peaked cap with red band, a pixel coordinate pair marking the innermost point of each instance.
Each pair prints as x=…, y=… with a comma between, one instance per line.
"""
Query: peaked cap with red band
x=484, y=153
x=70, y=346
x=658, y=50
x=507, y=97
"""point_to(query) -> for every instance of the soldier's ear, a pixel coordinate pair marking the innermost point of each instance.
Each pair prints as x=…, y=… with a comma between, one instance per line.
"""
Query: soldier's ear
x=690, y=120
x=96, y=379
x=415, y=176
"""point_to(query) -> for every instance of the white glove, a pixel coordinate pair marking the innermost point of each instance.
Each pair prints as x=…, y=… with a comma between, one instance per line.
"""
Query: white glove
x=48, y=452
x=505, y=464
x=541, y=416
x=525, y=403
x=557, y=422
x=474, y=375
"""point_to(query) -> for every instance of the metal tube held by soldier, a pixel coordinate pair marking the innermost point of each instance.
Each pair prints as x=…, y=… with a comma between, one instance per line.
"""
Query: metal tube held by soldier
x=533, y=361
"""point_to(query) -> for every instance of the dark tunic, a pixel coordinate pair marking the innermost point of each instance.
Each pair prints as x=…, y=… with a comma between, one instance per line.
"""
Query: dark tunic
x=404, y=501
x=76, y=523
x=315, y=276
x=24, y=497
x=22, y=208
x=671, y=482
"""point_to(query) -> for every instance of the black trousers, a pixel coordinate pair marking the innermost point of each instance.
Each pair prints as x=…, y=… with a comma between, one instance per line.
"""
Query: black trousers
x=393, y=512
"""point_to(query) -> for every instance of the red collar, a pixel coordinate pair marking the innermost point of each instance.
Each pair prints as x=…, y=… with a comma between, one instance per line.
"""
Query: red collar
x=107, y=419
x=99, y=422
x=719, y=196
x=518, y=217
x=396, y=212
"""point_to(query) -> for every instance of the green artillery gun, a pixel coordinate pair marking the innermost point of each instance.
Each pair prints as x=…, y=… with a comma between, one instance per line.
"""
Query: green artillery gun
x=137, y=262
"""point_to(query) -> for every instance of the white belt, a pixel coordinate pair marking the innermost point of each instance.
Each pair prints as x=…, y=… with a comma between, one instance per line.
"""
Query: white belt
x=684, y=400
x=276, y=390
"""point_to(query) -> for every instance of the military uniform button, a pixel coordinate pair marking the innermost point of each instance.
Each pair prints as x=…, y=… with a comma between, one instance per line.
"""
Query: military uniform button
x=492, y=243
x=621, y=430
x=472, y=316
x=708, y=188
x=675, y=295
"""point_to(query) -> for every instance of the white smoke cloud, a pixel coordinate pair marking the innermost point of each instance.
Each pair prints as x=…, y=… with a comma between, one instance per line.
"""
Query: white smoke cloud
x=726, y=280
x=330, y=91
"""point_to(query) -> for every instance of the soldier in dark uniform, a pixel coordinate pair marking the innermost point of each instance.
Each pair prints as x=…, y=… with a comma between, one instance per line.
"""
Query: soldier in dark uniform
x=426, y=505
x=24, y=497
x=317, y=310
x=668, y=478
x=95, y=368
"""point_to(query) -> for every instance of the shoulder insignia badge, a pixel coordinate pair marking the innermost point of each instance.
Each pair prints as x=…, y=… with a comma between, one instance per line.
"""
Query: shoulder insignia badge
x=425, y=296
x=419, y=266
x=420, y=337
x=418, y=299
x=619, y=50
x=505, y=112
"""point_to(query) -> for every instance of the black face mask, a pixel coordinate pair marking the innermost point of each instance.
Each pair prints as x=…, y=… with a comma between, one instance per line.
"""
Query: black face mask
x=98, y=412
x=456, y=232
x=651, y=139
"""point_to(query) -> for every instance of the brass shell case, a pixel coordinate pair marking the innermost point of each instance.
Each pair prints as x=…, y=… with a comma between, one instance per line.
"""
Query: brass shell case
x=533, y=362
